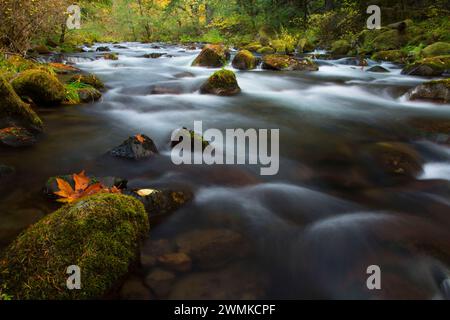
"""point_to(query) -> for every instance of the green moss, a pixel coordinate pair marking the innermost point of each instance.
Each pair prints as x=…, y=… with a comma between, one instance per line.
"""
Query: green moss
x=282, y=47
x=340, y=47
x=222, y=82
x=436, y=49
x=16, y=64
x=280, y=62
x=252, y=47
x=266, y=50
x=42, y=87
x=434, y=66
x=212, y=55
x=390, y=55
x=445, y=82
x=100, y=234
x=89, y=79
x=244, y=60
x=14, y=111
x=111, y=56
x=388, y=40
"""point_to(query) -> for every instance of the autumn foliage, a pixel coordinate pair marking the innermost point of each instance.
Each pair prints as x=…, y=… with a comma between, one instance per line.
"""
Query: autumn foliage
x=84, y=187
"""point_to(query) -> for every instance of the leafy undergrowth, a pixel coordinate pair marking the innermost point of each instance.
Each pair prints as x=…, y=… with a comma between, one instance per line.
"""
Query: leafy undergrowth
x=72, y=95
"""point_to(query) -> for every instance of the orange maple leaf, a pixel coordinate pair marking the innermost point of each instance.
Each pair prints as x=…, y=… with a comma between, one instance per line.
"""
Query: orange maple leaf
x=140, y=138
x=83, y=188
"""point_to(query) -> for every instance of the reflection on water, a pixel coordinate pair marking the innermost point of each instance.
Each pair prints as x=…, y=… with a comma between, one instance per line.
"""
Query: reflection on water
x=311, y=231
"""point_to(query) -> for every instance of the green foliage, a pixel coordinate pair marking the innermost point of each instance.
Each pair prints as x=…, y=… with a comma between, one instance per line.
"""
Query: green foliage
x=72, y=89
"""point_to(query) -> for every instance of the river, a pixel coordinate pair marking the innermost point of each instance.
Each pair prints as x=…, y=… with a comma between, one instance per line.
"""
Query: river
x=314, y=228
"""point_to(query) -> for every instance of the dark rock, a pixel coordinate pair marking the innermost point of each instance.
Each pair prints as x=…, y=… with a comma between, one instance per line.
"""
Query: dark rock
x=378, y=69
x=136, y=148
x=212, y=248
x=118, y=46
x=16, y=137
x=438, y=90
x=89, y=95
x=428, y=67
x=153, y=55
x=103, y=49
x=194, y=137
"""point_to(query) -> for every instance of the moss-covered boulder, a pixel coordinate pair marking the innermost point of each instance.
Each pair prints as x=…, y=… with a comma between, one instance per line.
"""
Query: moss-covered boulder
x=221, y=83
x=13, y=111
x=283, y=47
x=436, y=49
x=212, y=56
x=244, y=60
x=100, y=234
x=89, y=79
x=111, y=56
x=283, y=62
x=266, y=50
x=428, y=67
x=397, y=56
x=252, y=47
x=42, y=87
x=438, y=90
x=340, y=47
x=388, y=40
x=89, y=94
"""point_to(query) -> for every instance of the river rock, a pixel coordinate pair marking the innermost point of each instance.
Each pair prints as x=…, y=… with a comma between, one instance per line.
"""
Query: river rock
x=101, y=233
x=244, y=60
x=436, y=130
x=16, y=137
x=428, y=67
x=436, y=49
x=110, y=56
x=136, y=148
x=212, y=56
x=397, y=56
x=177, y=262
x=161, y=203
x=194, y=137
x=134, y=289
x=212, y=248
x=42, y=87
x=89, y=94
x=185, y=74
x=378, y=69
x=237, y=282
x=284, y=62
x=160, y=281
x=154, y=55
x=153, y=249
x=14, y=112
x=438, y=90
x=103, y=49
x=221, y=83
x=89, y=79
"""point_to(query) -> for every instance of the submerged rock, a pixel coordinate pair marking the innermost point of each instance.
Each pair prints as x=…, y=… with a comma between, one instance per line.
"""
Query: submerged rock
x=111, y=56
x=154, y=55
x=283, y=62
x=239, y=281
x=103, y=49
x=16, y=137
x=14, y=112
x=221, y=83
x=136, y=148
x=100, y=234
x=244, y=60
x=194, y=137
x=378, y=69
x=42, y=87
x=438, y=90
x=428, y=67
x=134, y=289
x=160, y=281
x=212, y=248
x=153, y=249
x=212, y=56
x=177, y=262
x=89, y=79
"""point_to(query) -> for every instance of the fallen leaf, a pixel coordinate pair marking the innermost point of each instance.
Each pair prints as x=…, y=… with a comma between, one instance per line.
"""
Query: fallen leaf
x=145, y=192
x=140, y=138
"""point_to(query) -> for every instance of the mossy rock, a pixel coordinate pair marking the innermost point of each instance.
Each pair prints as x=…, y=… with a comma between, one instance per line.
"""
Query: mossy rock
x=340, y=47
x=244, y=60
x=437, y=49
x=13, y=111
x=19, y=64
x=438, y=90
x=282, y=47
x=252, y=47
x=388, y=40
x=111, y=56
x=42, y=87
x=101, y=234
x=194, y=137
x=284, y=62
x=221, y=83
x=428, y=67
x=212, y=56
x=397, y=56
x=266, y=50
x=89, y=79
x=88, y=94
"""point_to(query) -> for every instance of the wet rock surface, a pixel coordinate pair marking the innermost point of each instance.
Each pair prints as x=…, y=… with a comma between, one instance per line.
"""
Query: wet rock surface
x=135, y=148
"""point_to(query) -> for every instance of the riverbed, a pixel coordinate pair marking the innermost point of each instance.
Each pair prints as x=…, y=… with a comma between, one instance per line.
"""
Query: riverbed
x=312, y=230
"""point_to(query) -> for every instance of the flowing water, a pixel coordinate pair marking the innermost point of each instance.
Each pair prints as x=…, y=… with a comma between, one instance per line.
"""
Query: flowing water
x=314, y=228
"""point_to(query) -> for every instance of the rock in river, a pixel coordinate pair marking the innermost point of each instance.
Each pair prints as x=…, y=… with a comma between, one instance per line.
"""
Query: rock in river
x=212, y=56
x=438, y=90
x=244, y=60
x=16, y=137
x=101, y=234
x=221, y=83
x=428, y=67
x=280, y=62
x=136, y=148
